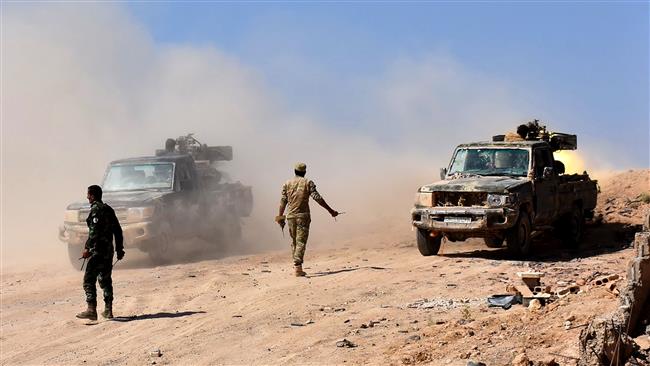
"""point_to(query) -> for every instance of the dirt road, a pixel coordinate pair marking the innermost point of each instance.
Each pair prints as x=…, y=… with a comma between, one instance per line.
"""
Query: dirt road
x=396, y=306
x=249, y=309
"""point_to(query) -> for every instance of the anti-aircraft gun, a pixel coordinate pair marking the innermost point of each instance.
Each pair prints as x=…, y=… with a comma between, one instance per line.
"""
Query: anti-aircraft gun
x=206, y=159
x=534, y=131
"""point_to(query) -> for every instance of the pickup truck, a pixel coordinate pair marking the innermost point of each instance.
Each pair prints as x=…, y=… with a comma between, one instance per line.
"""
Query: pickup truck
x=504, y=191
x=160, y=199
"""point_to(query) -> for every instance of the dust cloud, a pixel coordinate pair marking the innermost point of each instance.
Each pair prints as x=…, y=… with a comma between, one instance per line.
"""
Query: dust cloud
x=84, y=84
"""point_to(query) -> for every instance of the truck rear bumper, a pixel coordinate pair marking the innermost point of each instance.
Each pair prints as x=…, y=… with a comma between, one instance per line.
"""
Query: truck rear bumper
x=135, y=234
x=463, y=219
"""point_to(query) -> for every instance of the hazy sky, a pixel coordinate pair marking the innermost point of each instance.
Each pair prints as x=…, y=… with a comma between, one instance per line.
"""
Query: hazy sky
x=581, y=66
x=372, y=96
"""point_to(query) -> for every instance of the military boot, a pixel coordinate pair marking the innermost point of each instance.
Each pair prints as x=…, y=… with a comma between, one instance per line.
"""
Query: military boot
x=299, y=271
x=90, y=313
x=108, y=310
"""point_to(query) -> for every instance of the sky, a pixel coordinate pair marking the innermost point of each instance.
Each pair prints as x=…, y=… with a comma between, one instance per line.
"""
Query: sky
x=372, y=96
x=581, y=66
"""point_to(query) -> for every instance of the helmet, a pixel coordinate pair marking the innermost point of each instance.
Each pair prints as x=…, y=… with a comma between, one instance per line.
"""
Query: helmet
x=300, y=167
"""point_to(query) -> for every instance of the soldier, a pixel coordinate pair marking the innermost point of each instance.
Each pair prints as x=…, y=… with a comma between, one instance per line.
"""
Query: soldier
x=102, y=226
x=295, y=196
x=520, y=135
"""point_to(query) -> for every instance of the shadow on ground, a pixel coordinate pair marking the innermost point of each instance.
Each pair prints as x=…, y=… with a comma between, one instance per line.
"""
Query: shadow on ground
x=598, y=239
x=328, y=273
x=161, y=315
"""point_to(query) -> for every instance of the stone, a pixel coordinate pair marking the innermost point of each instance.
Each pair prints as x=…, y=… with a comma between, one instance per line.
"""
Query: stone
x=520, y=360
x=475, y=363
x=534, y=305
x=643, y=342
x=344, y=343
x=414, y=338
x=155, y=353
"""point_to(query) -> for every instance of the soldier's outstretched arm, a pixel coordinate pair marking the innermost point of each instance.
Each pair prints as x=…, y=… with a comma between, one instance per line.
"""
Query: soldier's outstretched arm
x=319, y=199
x=324, y=204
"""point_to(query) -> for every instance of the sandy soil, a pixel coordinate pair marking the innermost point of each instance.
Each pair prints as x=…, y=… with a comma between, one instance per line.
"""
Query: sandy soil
x=251, y=310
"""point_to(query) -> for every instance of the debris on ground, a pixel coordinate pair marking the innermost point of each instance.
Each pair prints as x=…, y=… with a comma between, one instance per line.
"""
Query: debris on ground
x=344, y=343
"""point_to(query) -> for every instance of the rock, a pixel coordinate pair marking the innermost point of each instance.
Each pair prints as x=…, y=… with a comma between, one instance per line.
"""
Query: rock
x=570, y=318
x=567, y=325
x=474, y=363
x=155, y=353
x=581, y=282
x=520, y=360
x=414, y=338
x=643, y=342
x=534, y=305
x=344, y=343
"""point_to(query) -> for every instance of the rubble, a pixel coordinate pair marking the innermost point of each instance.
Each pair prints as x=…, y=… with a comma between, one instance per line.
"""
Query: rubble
x=609, y=339
x=344, y=343
x=443, y=303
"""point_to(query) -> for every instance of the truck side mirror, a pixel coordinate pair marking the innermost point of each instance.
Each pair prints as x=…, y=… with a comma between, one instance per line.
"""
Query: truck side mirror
x=443, y=173
x=548, y=172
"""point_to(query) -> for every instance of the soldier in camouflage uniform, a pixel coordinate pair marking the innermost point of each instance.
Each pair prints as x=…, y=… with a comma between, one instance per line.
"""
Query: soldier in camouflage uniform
x=295, y=198
x=102, y=226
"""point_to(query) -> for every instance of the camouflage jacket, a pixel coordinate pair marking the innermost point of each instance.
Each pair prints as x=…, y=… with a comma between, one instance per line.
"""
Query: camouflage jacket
x=295, y=196
x=102, y=226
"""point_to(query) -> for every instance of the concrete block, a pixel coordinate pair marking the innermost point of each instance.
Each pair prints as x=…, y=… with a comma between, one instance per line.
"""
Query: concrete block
x=603, y=280
x=642, y=244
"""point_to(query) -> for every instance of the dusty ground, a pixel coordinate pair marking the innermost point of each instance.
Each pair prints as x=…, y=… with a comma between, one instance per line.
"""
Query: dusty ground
x=250, y=310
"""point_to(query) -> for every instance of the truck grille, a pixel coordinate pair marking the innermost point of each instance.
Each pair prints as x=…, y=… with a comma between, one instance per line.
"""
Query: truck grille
x=461, y=199
x=119, y=212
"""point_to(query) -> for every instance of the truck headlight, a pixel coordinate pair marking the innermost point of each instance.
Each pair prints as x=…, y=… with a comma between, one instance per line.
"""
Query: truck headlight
x=498, y=200
x=139, y=213
x=71, y=216
x=424, y=199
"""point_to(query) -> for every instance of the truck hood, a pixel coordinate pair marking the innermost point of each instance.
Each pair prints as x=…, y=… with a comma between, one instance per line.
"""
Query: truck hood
x=476, y=184
x=124, y=199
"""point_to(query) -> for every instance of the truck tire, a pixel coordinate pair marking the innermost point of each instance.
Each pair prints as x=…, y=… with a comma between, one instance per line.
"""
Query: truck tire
x=74, y=252
x=493, y=242
x=160, y=252
x=572, y=227
x=518, y=237
x=427, y=244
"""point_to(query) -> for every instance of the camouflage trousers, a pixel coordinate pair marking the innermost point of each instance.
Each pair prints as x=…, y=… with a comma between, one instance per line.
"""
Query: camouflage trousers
x=299, y=231
x=98, y=269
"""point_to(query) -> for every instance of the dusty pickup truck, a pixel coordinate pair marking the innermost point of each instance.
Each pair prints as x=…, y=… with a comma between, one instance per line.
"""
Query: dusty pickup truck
x=504, y=191
x=160, y=199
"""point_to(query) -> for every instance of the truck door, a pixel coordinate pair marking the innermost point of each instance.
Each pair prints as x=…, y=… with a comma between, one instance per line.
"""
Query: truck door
x=186, y=202
x=545, y=188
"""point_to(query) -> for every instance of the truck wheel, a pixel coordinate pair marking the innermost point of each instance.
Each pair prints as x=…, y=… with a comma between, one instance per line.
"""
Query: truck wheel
x=160, y=252
x=74, y=252
x=427, y=244
x=493, y=242
x=572, y=228
x=518, y=238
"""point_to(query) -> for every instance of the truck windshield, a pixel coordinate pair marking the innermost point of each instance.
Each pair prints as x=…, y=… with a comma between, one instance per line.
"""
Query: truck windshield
x=132, y=177
x=490, y=161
